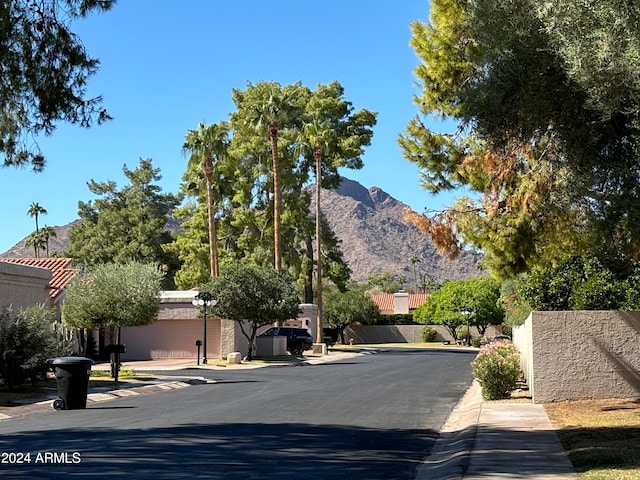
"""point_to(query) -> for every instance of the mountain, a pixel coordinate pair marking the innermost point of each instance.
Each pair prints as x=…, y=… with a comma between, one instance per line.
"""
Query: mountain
x=374, y=237
x=57, y=245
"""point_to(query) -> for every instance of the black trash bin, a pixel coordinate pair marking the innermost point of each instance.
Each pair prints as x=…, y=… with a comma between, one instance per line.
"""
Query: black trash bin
x=72, y=374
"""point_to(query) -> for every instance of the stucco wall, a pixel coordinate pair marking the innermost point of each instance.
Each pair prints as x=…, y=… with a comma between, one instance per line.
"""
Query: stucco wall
x=579, y=355
x=402, y=333
x=24, y=286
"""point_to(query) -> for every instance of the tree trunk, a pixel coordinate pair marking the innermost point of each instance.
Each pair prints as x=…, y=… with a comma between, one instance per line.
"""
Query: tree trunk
x=320, y=329
x=277, y=198
x=213, y=240
x=308, y=288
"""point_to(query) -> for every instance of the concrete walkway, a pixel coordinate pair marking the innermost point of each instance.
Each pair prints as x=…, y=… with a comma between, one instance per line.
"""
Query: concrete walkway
x=483, y=440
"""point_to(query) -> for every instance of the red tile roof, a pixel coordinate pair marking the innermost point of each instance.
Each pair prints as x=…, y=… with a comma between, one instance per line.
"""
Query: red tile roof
x=62, y=271
x=385, y=300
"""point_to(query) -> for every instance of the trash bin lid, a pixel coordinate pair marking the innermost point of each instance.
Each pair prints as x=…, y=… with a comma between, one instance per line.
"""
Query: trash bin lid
x=70, y=361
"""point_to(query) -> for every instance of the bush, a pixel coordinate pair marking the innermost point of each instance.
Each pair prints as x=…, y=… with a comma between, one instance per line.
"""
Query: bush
x=27, y=341
x=461, y=333
x=429, y=334
x=497, y=368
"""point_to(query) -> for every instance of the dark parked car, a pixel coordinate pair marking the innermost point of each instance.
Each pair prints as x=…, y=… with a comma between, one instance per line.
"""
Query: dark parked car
x=298, y=339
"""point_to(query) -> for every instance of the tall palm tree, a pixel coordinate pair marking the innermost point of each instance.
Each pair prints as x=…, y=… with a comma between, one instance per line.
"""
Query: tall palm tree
x=317, y=136
x=34, y=210
x=415, y=259
x=208, y=144
x=269, y=116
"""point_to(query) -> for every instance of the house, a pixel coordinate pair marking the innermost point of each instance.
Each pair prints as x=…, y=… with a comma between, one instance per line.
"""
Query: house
x=25, y=282
x=398, y=303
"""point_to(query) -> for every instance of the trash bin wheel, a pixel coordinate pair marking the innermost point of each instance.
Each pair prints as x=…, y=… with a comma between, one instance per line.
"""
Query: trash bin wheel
x=58, y=404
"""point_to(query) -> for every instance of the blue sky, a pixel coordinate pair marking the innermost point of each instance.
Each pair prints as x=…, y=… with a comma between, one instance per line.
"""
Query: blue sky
x=167, y=66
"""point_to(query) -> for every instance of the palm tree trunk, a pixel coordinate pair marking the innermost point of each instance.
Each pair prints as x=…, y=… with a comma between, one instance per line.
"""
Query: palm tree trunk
x=277, y=198
x=320, y=329
x=213, y=240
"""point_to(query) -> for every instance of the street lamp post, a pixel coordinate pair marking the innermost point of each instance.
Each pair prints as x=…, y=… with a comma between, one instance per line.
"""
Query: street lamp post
x=204, y=300
x=467, y=314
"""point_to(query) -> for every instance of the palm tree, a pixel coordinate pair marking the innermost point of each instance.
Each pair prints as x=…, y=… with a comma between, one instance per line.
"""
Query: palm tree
x=35, y=240
x=317, y=135
x=269, y=116
x=34, y=210
x=208, y=144
x=47, y=233
x=414, y=259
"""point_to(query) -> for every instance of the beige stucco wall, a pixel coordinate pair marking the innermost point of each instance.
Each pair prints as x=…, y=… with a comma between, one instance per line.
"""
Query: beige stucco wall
x=580, y=355
x=403, y=333
x=23, y=286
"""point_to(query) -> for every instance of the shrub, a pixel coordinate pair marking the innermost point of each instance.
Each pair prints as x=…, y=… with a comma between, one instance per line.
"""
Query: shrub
x=429, y=334
x=27, y=340
x=461, y=333
x=497, y=368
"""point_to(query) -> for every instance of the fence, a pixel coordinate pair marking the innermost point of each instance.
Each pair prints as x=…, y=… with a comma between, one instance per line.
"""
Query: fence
x=580, y=355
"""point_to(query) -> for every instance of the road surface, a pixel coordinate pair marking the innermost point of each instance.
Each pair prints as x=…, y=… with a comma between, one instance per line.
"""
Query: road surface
x=369, y=417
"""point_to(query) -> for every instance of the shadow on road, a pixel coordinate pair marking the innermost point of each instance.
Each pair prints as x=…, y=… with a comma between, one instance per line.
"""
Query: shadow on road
x=223, y=451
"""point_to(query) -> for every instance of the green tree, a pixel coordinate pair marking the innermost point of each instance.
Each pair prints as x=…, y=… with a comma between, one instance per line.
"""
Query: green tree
x=547, y=101
x=208, y=144
x=37, y=241
x=317, y=137
x=415, y=259
x=602, y=280
x=27, y=340
x=45, y=72
x=269, y=116
x=253, y=294
x=474, y=301
x=113, y=296
x=351, y=307
x=516, y=309
x=48, y=233
x=35, y=210
x=126, y=224
x=386, y=282
x=244, y=183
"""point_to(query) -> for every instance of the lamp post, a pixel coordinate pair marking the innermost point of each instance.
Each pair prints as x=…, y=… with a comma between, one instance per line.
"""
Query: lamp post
x=204, y=300
x=467, y=314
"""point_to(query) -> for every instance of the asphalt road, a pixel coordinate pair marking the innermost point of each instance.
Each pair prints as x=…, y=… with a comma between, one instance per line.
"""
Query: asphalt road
x=369, y=417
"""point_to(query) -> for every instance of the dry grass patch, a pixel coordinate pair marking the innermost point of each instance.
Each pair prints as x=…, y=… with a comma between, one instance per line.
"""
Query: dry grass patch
x=601, y=437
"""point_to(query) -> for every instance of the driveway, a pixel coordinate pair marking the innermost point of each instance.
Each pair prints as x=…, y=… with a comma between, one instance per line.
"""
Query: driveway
x=370, y=417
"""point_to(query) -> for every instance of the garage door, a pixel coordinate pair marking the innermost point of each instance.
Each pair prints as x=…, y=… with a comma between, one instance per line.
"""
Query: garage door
x=170, y=338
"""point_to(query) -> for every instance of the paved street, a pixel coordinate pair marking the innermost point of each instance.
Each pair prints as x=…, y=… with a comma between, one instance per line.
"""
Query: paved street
x=369, y=417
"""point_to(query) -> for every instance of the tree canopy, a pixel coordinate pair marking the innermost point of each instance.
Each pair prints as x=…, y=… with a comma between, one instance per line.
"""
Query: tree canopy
x=597, y=281
x=474, y=300
x=125, y=224
x=45, y=69
x=351, y=307
x=244, y=188
x=547, y=99
x=256, y=294
x=113, y=295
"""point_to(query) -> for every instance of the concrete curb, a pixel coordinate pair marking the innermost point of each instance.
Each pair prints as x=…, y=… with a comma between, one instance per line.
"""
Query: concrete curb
x=449, y=457
x=96, y=395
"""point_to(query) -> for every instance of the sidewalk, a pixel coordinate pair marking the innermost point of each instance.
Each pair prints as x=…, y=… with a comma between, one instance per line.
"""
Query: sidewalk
x=480, y=440
x=483, y=440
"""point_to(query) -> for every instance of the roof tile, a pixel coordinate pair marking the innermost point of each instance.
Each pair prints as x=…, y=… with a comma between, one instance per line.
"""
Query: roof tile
x=62, y=271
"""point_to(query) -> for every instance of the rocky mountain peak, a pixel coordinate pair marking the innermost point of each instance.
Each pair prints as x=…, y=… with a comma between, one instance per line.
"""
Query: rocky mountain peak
x=374, y=235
